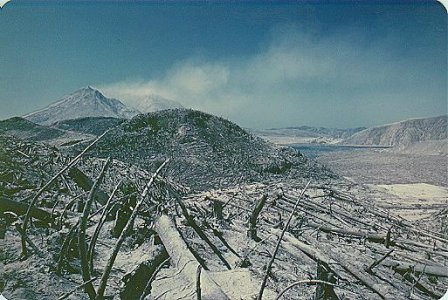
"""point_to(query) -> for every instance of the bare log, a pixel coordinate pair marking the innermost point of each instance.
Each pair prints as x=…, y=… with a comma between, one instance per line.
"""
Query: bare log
x=66, y=295
x=439, y=271
x=184, y=260
x=317, y=256
x=85, y=183
x=269, y=266
x=100, y=224
x=377, y=262
x=50, y=182
x=311, y=281
x=19, y=208
x=83, y=252
x=377, y=238
x=110, y=263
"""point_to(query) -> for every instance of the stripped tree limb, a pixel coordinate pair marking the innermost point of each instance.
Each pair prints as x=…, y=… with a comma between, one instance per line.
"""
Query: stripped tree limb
x=85, y=183
x=312, y=281
x=65, y=246
x=317, y=256
x=439, y=271
x=83, y=252
x=198, y=283
x=377, y=262
x=110, y=263
x=184, y=260
x=100, y=224
x=50, y=182
x=269, y=266
x=66, y=295
x=375, y=237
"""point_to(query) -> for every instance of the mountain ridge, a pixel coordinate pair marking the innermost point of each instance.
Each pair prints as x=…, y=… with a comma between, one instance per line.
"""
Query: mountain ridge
x=402, y=133
x=85, y=102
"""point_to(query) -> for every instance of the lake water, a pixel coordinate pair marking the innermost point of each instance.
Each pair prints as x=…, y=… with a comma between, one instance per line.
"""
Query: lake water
x=315, y=150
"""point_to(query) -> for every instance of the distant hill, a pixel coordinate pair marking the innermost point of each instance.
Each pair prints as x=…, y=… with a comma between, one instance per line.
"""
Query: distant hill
x=305, y=134
x=86, y=102
x=26, y=130
x=402, y=134
x=207, y=151
x=88, y=125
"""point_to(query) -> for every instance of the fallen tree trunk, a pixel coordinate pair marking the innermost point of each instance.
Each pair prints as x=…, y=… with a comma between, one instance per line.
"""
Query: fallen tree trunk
x=19, y=208
x=184, y=260
x=85, y=183
x=364, y=278
x=377, y=238
x=47, y=185
x=439, y=271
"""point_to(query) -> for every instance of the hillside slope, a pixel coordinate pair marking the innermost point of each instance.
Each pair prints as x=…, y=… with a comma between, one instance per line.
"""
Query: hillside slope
x=86, y=102
x=89, y=125
x=402, y=134
x=305, y=134
x=26, y=130
x=207, y=151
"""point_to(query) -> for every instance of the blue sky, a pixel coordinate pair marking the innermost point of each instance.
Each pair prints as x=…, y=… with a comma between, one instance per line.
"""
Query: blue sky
x=259, y=64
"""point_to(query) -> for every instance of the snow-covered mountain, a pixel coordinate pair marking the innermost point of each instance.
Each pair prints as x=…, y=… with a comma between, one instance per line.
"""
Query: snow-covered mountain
x=85, y=102
x=150, y=103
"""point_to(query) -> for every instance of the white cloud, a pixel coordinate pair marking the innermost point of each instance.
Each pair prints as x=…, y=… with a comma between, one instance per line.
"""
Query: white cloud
x=296, y=80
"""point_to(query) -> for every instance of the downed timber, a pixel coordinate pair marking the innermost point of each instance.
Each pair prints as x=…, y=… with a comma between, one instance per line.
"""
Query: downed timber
x=19, y=208
x=373, y=237
x=415, y=283
x=106, y=211
x=323, y=209
x=85, y=183
x=66, y=295
x=277, y=246
x=364, y=278
x=439, y=271
x=72, y=162
x=377, y=238
x=113, y=256
x=82, y=243
x=184, y=260
x=310, y=281
x=201, y=233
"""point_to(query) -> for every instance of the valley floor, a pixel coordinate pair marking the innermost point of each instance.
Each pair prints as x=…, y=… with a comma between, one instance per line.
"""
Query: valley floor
x=409, y=185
